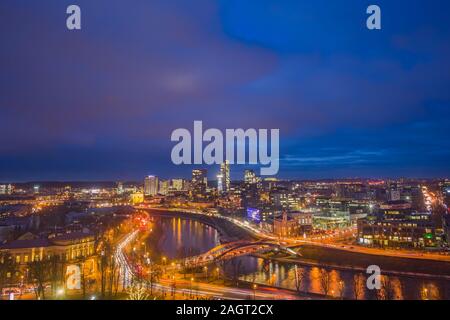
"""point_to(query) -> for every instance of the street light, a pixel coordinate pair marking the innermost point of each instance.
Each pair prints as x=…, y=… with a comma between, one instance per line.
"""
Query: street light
x=60, y=292
x=192, y=281
x=173, y=285
x=341, y=289
x=255, y=286
x=425, y=294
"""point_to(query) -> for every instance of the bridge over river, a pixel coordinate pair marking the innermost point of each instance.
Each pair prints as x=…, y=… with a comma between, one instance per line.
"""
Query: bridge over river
x=232, y=250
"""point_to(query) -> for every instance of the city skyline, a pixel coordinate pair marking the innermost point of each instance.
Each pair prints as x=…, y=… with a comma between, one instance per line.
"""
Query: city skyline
x=178, y=239
x=100, y=103
x=196, y=153
x=213, y=176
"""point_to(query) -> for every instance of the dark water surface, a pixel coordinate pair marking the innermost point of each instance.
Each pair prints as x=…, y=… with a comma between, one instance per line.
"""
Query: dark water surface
x=176, y=238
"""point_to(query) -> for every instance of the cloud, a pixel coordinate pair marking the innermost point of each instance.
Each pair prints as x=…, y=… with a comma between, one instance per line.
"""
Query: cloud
x=136, y=72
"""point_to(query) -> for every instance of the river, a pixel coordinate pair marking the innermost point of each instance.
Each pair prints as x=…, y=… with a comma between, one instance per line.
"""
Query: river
x=176, y=238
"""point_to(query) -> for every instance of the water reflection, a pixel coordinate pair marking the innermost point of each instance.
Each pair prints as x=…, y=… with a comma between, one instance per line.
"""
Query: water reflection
x=176, y=238
x=343, y=283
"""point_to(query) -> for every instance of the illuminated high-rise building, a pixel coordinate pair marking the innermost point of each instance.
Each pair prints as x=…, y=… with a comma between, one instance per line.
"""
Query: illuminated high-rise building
x=199, y=182
x=249, y=176
x=6, y=189
x=220, y=183
x=225, y=173
x=151, y=185
x=178, y=184
x=119, y=189
x=394, y=192
x=164, y=187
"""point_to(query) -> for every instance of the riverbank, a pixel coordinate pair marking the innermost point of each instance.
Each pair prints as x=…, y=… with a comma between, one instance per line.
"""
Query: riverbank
x=323, y=256
x=228, y=231
x=343, y=260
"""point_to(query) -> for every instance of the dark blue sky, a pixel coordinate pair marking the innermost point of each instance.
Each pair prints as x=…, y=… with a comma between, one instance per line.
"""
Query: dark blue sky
x=101, y=103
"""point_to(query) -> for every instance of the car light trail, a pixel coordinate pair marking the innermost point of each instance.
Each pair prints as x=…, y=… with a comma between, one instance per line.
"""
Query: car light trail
x=121, y=259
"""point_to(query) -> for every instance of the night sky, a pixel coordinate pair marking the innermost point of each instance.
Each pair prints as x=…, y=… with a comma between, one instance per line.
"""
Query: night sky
x=101, y=103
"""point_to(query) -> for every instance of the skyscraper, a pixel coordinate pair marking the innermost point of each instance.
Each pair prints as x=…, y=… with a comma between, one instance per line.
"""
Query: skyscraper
x=151, y=185
x=178, y=184
x=220, y=183
x=164, y=187
x=251, y=192
x=249, y=177
x=199, y=182
x=119, y=189
x=6, y=189
x=225, y=173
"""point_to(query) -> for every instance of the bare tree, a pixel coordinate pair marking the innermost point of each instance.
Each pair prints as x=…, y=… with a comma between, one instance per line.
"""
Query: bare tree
x=358, y=286
x=236, y=269
x=7, y=267
x=56, y=272
x=103, y=268
x=112, y=275
x=325, y=281
x=154, y=274
x=105, y=263
x=137, y=291
x=341, y=289
x=39, y=275
x=218, y=268
x=429, y=292
x=83, y=280
x=387, y=290
x=299, y=274
x=117, y=281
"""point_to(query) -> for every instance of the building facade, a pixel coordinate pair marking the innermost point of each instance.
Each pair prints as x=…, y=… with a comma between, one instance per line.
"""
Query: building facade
x=199, y=183
x=151, y=185
x=225, y=173
x=406, y=233
x=285, y=226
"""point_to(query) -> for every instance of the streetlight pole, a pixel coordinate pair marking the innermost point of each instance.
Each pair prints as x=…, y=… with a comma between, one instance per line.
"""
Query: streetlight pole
x=173, y=286
x=206, y=272
x=164, y=260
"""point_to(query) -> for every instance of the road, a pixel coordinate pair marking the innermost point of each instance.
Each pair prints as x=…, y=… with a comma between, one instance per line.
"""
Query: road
x=187, y=287
x=121, y=260
x=322, y=241
x=223, y=292
x=350, y=248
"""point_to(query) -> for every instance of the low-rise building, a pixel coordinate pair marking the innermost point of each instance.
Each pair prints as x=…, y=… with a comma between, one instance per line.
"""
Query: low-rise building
x=69, y=247
x=446, y=227
x=398, y=233
x=304, y=221
x=285, y=226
